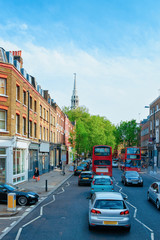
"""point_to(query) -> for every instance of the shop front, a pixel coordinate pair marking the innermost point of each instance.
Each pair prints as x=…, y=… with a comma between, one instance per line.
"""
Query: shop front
x=33, y=159
x=44, y=158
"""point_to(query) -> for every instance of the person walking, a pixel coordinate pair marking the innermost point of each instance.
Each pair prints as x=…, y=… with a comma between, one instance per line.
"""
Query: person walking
x=36, y=174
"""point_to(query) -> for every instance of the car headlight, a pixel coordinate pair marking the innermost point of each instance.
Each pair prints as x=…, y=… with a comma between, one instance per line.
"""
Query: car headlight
x=140, y=179
x=30, y=195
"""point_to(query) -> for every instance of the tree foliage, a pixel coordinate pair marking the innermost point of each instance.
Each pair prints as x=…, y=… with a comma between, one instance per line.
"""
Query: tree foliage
x=127, y=133
x=90, y=130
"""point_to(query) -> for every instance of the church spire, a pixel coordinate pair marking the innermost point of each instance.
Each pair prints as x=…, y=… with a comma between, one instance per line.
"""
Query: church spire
x=74, y=98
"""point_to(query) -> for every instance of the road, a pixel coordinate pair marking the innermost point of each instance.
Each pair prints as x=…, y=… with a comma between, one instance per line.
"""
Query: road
x=64, y=215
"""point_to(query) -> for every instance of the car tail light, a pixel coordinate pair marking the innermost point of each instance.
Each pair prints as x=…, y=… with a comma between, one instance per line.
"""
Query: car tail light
x=95, y=211
x=79, y=176
x=124, y=213
x=93, y=182
x=111, y=182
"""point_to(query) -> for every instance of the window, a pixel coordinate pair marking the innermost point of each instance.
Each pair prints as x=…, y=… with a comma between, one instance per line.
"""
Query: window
x=3, y=120
x=150, y=125
x=24, y=97
x=30, y=128
x=17, y=123
x=54, y=121
x=44, y=133
x=40, y=110
x=43, y=113
x=46, y=115
x=30, y=102
x=2, y=86
x=40, y=132
x=35, y=106
x=18, y=161
x=35, y=130
x=17, y=93
x=24, y=126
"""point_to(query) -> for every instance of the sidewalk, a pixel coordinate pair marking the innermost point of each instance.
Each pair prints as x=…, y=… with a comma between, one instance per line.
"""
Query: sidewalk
x=51, y=180
x=155, y=174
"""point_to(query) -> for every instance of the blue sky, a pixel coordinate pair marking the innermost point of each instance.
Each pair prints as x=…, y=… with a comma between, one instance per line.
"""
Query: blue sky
x=112, y=45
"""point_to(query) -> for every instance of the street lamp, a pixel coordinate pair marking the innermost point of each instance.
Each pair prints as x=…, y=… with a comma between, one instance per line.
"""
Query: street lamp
x=154, y=140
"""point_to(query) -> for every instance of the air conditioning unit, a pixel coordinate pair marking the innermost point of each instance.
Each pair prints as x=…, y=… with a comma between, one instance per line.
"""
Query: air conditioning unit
x=23, y=71
x=17, y=65
x=9, y=57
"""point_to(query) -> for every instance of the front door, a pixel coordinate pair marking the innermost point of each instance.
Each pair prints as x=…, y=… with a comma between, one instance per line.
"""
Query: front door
x=2, y=169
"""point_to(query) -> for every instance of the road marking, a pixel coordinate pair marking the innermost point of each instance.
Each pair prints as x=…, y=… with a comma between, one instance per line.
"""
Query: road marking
x=135, y=214
x=5, y=229
x=9, y=218
x=12, y=223
x=27, y=210
x=20, y=208
x=18, y=234
x=68, y=184
x=61, y=191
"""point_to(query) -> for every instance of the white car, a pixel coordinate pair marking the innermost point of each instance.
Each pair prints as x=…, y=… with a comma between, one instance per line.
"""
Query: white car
x=108, y=209
x=114, y=163
x=153, y=194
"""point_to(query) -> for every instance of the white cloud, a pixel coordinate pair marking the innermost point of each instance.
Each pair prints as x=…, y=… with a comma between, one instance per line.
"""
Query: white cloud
x=117, y=88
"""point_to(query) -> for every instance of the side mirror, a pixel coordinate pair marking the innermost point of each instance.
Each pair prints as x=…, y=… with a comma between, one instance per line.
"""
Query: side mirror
x=4, y=190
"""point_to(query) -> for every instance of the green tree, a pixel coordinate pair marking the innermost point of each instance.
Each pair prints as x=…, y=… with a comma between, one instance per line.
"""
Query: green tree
x=127, y=133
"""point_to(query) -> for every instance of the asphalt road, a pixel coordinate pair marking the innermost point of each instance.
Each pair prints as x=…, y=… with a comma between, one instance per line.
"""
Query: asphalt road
x=64, y=215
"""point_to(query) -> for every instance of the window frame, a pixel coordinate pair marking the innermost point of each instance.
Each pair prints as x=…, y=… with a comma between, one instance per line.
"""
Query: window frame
x=1, y=129
x=5, y=86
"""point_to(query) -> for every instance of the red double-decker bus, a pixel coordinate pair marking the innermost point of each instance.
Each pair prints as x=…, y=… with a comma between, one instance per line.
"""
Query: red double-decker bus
x=102, y=160
x=131, y=159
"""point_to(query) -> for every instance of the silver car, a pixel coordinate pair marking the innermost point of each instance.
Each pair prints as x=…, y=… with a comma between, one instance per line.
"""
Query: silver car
x=153, y=194
x=108, y=209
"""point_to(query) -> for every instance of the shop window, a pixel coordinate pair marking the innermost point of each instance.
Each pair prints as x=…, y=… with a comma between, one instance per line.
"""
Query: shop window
x=3, y=86
x=3, y=120
x=18, y=162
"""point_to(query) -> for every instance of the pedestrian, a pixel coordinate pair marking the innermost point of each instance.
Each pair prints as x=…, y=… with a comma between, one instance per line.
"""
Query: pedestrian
x=36, y=174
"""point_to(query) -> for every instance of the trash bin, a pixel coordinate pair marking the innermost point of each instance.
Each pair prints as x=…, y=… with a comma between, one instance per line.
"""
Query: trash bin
x=11, y=202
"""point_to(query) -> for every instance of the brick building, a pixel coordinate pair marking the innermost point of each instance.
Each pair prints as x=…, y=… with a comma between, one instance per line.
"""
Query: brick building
x=32, y=125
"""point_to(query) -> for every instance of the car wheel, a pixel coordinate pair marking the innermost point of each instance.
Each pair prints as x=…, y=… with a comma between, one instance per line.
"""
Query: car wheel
x=128, y=228
x=22, y=201
x=125, y=184
x=157, y=204
x=90, y=227
x=148, y=197
x=141, y=185
x=79, y=184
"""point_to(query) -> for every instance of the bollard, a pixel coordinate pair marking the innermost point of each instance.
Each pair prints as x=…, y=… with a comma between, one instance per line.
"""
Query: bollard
x=11, y=202
x=46, y=186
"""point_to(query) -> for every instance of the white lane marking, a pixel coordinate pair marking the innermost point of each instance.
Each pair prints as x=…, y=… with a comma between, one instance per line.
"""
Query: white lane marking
x=12, y=223
x=33, y=220
x=20, y=208
x=68, y=184
x=18, y=234
x=27, y=210
x=61, y=191
x=9, y=218
x=5, y=229
x=135, y=214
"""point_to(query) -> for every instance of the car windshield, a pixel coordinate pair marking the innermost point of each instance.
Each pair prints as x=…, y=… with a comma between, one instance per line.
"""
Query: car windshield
x=86, y=174
x=102, y=181
x=132, y=174
x=110, y=204
x=9, y=187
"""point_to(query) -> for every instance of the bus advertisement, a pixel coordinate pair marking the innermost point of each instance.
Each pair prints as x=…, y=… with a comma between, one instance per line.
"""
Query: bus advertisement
x=102, y=160
x=131, y=159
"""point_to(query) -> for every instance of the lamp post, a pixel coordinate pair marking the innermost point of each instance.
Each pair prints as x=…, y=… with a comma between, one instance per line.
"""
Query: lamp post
x=154, y=142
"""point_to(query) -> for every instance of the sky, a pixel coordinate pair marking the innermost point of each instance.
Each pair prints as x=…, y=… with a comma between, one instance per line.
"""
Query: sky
x=113, y=46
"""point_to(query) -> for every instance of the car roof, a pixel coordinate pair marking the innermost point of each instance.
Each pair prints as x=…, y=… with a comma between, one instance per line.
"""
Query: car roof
x=86, y=172
x=102, y=176
x=109, y=195
x=131, y=172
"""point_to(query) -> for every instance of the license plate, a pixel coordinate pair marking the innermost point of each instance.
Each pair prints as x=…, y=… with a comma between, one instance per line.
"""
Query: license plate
x=79, y=170
x=85, y=178
x=110, y=222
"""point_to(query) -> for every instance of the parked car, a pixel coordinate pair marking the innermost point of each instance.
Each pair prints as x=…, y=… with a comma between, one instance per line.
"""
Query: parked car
x=23, y=197
x=153, y=194
x=132, y=178
x=79, y=169
x=101, y=184
x=85, y=178
x=115, y=162
x=108, y=209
